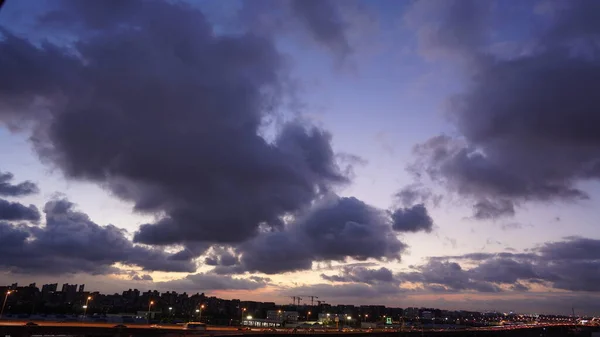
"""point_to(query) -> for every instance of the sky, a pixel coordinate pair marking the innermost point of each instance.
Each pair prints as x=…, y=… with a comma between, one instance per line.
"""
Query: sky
x=405, y=153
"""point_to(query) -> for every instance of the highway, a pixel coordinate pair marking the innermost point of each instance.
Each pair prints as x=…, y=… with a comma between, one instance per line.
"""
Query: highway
x=227, y=330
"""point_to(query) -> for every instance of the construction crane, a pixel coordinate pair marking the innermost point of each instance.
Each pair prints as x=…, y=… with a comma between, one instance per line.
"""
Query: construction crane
x=312, y=299
x=323, y=302
x=296, y=299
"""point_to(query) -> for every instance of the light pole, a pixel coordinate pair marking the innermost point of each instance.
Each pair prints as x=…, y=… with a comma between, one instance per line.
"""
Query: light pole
x=308, y=316
x=4, y=303
x=170, y=309
x=242, y=317
x=200, y=315
x=85, y=307
x=149, y=308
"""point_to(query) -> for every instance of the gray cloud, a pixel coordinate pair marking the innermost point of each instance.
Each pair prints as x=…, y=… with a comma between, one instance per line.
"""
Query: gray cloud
x=8, y=189
x=416, y=194
x=362, y=275
x=70, y=242
x=323, y=20
x=207, y=282
x=338, y=26
x=453, y=28
x=412, y=219
x=336, y=229
x=446, y=276
x=527, y=123
x=571, y=264
x=492, y=209
x=14, y=211
x=143, y=277
x=221, y=256
x=182, y=136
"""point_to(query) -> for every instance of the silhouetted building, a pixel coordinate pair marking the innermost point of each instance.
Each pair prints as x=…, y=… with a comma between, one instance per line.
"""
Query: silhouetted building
x=81, y=287
x=69, y=291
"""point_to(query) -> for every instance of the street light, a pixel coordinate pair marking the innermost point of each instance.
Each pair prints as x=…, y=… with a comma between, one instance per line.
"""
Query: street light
x=200, y=311
x=4, y=303
x=149, y=307
x=85, y=307
x=308, y=317
x=242, y=316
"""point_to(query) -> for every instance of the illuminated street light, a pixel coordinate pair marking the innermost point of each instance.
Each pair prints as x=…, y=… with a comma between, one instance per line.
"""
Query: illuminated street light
x=4, y=303
x=200, y=312
x=149, y=308
x=85, y=307
x=242, y=316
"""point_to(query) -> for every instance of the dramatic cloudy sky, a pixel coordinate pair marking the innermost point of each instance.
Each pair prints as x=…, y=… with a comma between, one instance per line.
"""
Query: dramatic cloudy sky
x=408, y=153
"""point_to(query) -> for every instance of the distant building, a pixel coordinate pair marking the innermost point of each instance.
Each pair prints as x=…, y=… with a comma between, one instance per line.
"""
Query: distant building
x=281, y=316
x=81, y=287
x=411, y=312
x=69, y=291
x=66, y=288
x=50, y=287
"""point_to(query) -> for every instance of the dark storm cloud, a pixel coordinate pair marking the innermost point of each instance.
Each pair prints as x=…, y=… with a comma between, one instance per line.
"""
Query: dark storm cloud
x=14, y=211
x=70, y=242
x=8, y=189
x=336, y=229
x=412, y=219
x=209, y=282
x=168, y=115
x=324, y=22
x=529, y=123
x=362, y=275
x=572, y=264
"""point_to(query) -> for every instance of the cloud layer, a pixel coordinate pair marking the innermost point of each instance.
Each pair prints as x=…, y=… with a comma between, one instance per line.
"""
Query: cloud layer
x=70, y=242
x=528, y=124
x=191, y=124
x=7, y=189
x=571, y=264
x=337, y=229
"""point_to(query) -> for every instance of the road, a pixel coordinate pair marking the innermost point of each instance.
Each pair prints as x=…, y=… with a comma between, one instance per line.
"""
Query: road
x=227, y=330
x=110, y=325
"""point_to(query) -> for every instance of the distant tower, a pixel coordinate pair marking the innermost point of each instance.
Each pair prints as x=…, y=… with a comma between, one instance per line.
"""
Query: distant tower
x=81, y=287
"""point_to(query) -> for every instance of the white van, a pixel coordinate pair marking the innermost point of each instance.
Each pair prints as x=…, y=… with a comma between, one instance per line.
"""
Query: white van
x=194, y=326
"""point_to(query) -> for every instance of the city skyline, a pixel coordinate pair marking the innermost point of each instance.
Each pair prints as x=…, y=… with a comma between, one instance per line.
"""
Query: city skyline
x=74, y=295
x=437, y=153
